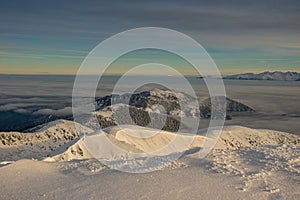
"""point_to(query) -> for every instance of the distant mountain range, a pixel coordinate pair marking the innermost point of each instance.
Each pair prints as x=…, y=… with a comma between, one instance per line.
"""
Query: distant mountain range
x=275, y=76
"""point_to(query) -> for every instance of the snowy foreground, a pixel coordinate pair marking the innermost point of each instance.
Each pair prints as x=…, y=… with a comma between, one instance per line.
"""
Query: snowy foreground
x=53, y=163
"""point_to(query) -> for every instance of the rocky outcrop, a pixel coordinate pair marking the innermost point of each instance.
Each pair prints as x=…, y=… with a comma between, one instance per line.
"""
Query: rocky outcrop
x=113, y=116
x=231, y=106
x=162, y=105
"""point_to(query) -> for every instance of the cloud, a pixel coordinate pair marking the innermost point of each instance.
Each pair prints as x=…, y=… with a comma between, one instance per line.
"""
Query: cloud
x=67, y=30
x=4, y=53
x=22, y=111
x=14, y=106
x=42, y=49
x=95, y=18
x=202, y=15
x=60, y=112
x=28, y=108
x=36, y=105
x=37, y=55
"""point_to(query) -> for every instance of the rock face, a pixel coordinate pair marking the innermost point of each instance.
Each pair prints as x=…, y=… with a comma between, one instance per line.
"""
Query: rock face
x=161, y=105
x=114, y=115
x=137, y=100
x=231, y=106
x=275, y=76
x=144, y=100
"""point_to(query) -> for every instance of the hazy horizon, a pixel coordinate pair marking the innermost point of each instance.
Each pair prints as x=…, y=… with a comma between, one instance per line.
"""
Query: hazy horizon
x=120, y=74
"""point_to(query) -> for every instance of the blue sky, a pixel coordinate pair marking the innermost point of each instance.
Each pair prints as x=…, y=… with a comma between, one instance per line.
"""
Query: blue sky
x=53, y=37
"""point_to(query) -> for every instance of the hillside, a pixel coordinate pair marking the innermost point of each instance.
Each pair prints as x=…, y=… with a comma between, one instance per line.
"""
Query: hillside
x=161, y=104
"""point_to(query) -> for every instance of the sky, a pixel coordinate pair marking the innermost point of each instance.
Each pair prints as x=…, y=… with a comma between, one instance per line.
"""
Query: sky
x=54, y=37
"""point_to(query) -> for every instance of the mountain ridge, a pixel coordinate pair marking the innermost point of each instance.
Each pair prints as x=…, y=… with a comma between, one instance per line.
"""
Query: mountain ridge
x=160, y=104
x=267, y=75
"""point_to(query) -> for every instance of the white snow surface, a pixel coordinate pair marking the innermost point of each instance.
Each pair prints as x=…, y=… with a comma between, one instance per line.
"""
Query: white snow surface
x=54, y=163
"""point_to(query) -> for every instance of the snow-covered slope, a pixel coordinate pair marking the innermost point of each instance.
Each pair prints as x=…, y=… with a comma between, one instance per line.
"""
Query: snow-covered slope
x=60, y=139
x=245, y=163
x=46, y=139
x=146, y=140
x=276, y=76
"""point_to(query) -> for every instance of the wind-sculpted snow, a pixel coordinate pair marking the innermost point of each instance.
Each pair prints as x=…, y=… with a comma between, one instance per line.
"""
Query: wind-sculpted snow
x=46, y=139
x=63, y=135
x=249, y=162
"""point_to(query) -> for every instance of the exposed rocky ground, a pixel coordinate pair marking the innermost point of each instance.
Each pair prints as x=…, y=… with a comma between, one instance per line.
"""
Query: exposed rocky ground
x=160, y=104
